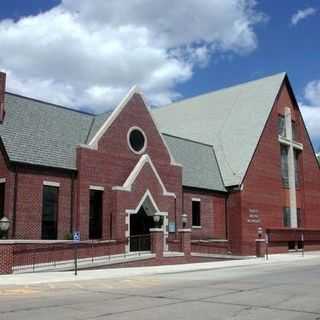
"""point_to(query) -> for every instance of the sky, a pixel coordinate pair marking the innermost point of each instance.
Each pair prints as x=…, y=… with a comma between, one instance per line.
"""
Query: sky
x=87, y=54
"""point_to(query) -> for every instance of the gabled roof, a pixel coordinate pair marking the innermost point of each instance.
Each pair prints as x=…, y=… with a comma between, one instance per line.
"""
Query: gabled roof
x=200, y=167
x=40, y=133
x=232, y=120
x=213, y=136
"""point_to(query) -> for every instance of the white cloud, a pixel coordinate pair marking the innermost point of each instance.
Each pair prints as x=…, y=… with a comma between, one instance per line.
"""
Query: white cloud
x=89, y=53
x=302, y=14
x=311, y=111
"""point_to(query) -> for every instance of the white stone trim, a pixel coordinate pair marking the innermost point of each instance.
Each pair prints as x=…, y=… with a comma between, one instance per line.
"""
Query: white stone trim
x=196, y=227
x=134, y=211
x=51, y=183
x=127, y=186
x=184, y=230
x=145, y=140
x=196, y=199
x=2, y=180
x=134, y=90
x=97, y=188
x=291, y=169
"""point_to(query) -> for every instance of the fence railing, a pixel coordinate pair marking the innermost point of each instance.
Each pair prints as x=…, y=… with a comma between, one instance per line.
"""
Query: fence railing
x=141, y=242
x=37, y=256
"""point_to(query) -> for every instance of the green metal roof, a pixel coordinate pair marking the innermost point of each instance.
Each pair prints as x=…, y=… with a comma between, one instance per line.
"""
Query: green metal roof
x=231, y=120
x=200, y=167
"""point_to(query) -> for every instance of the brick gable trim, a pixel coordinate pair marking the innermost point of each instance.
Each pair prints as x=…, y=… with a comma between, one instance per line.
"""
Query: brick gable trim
x=127, y=186
x=124, y=102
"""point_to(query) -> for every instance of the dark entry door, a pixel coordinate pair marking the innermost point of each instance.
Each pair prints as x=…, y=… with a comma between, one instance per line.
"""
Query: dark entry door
x=140, y=224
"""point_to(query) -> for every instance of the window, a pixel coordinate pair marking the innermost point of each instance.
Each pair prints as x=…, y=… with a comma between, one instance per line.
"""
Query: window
x=294, y=131
x=95, y=219
x=196, y=214
x=286, y=217
x=296, y=167
x=299, y=218
x=281, y=126
x=50, y=202
x=2, y=197
x=136, y=140
x=284, y=165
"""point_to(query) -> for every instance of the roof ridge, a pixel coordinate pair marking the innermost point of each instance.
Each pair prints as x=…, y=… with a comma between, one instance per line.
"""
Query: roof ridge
x=221, y=89
x=50, y=104
x=187, y=139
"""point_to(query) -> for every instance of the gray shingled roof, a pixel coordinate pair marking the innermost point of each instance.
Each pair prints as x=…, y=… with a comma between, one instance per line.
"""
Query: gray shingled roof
x=231, y=120
x=40, y=133
x=43, y=134
x=200, y=167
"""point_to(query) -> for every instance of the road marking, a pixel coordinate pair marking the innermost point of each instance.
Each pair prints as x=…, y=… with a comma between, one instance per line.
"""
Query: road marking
x=17, y=291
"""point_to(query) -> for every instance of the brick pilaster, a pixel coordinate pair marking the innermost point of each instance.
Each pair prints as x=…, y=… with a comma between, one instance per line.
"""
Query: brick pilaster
x=157, y=241
x=185, y=238
x=6, y=258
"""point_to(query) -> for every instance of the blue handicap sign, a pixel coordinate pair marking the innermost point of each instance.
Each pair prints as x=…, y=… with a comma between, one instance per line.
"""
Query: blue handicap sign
x=76, y=236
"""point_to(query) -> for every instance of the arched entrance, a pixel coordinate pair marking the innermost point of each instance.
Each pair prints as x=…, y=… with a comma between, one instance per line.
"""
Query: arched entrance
x=141, y=220
x=140, y=225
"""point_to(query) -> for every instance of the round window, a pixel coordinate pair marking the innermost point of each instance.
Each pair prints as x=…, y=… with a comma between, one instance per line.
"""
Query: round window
x=137, y=140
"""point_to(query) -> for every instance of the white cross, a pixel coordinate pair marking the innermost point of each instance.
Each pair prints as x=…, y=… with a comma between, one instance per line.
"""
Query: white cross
x=291, y=144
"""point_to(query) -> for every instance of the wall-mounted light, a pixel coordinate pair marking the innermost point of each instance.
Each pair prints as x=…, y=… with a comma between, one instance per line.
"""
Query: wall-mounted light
x=184, y=220
x=4, y=227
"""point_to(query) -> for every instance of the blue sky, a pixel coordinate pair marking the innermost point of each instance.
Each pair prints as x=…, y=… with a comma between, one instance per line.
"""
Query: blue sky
x=185, y=63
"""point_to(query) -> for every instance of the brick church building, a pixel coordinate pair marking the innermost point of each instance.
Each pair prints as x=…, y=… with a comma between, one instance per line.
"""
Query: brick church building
x=224, y=164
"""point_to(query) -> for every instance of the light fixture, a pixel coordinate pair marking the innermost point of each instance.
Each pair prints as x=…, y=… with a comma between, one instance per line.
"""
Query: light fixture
x=4, y=226
x=184, y=220
x=260, y=232
x=156, y=219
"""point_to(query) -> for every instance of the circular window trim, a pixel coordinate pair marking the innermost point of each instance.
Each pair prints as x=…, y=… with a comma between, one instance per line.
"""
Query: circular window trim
x=145, y=140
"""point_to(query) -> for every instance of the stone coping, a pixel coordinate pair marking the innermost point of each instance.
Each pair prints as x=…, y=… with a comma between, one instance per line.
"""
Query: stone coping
x=156, y=230
x=8, y=242
x=210, y=241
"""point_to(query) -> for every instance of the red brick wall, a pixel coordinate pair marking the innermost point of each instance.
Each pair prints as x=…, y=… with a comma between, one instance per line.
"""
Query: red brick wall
x=262, y=187
x=29, y=202
x=212, y=213
x=113, y=162
x=9, y=186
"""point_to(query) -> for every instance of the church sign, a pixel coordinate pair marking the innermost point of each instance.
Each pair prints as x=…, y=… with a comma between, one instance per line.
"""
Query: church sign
x=254, y=216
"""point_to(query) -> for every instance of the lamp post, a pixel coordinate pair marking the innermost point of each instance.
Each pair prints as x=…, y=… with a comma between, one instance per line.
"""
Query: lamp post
x=184, y=220
x=4, y=227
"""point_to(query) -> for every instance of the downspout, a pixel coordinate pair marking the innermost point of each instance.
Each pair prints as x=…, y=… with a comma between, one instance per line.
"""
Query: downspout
x=226, y=218
x=15, y=196
x=72, y=203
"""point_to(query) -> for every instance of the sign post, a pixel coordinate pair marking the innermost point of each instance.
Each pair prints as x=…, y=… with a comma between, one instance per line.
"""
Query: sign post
x=76, y=240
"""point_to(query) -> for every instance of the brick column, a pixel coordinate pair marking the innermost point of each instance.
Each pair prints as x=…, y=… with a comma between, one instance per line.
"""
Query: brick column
x=260, y=248
x=157, y=241
x=6, y=258
x=185, y=240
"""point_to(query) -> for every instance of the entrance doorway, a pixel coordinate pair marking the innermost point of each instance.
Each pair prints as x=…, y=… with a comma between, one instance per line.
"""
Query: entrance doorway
x=140, y=225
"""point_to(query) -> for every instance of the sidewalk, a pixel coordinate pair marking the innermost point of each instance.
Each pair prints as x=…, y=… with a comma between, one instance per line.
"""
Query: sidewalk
x=68, y=276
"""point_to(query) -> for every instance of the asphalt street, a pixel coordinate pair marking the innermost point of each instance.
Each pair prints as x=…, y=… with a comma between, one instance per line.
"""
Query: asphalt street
x=289, y=290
